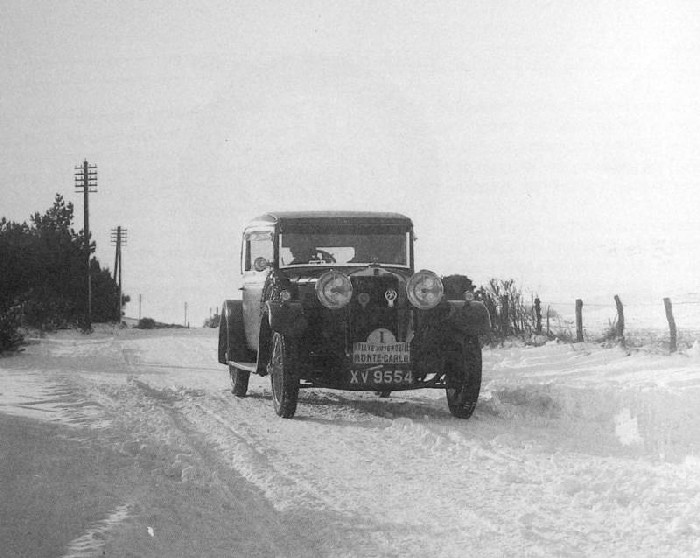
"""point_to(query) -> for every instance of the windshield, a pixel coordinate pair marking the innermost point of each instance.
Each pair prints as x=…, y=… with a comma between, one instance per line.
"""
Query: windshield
x=316, y=248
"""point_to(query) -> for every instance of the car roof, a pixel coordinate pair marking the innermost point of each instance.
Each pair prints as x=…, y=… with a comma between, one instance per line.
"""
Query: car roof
x=337, y=217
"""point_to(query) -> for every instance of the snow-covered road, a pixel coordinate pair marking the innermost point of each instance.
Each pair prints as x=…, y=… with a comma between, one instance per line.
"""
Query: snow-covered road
x=574, y=450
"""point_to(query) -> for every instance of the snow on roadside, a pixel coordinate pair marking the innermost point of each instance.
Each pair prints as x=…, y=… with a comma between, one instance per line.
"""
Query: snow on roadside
x=643, y=403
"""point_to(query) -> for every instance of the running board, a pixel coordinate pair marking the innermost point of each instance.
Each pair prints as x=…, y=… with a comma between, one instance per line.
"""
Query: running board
x=249, y=366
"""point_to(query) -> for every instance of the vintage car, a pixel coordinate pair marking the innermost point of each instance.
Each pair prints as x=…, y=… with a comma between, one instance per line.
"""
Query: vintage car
x=331, y=300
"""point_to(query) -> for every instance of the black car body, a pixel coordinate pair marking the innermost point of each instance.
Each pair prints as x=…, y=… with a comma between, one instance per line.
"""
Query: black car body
x=331, y=299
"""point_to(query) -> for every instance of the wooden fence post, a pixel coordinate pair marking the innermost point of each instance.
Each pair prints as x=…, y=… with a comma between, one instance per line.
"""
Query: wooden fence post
x=548, y=330
x=620, y=326
x=538, y=317
x=579, y=320
x=671, y=324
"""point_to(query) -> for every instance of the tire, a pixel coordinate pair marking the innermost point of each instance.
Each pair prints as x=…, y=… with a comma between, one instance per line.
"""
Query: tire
x=239, y=381
x=464, y=379
x=285, y=383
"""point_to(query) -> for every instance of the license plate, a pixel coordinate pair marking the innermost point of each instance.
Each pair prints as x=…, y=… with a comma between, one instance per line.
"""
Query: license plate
x=381, y=377
x=381, y=353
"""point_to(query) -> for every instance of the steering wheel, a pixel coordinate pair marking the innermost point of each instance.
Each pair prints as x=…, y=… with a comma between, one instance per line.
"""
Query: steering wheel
x=323, y=257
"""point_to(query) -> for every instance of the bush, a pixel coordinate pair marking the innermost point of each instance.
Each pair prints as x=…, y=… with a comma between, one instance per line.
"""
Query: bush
x=212, y=322
x=42, y=267
x=610, y=333
x=565, y=336
x=146, y=323
x=49, y=311
x=10, y=337
x=511, y=315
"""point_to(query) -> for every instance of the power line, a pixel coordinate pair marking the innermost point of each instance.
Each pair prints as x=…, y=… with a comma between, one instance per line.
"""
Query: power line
x=643, y=304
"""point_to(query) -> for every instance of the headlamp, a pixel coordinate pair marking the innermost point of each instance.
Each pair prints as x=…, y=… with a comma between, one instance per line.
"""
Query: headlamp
x=334, y=289
x=424, y=290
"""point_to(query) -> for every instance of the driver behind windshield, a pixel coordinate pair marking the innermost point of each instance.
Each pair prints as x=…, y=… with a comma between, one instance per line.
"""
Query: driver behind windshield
x=302, y=253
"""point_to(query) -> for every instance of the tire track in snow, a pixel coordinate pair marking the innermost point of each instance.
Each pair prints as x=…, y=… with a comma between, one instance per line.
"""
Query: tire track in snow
x=180, y=419
x=310, y=476
x=484, y=489
x=90, y=544
x=359, y=474
x=499, y=484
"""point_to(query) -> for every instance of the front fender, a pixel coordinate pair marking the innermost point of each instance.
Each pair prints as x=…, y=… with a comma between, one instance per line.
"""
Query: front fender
x=469, y=317
x=286, y=318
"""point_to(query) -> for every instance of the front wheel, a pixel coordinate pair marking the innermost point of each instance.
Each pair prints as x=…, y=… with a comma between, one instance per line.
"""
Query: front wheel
x=239, y=380
x=285, y=383
x=464, y=379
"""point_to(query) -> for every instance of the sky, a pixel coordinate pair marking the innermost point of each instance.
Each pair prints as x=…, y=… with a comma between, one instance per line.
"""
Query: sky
x=555, y=143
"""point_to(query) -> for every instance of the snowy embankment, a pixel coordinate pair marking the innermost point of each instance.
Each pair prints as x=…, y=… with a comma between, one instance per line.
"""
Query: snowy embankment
x=631, y=402
x=573, y=449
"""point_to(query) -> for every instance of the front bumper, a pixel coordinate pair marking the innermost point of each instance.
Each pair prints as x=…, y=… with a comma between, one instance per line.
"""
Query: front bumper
x=378, y=377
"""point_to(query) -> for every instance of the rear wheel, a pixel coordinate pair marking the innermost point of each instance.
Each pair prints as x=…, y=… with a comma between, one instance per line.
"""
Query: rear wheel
x=285, y=383
x=464, y=379
x=239, y=380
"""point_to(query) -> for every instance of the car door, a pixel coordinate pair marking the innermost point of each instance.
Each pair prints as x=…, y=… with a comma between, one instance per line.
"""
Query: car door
x=257, y=243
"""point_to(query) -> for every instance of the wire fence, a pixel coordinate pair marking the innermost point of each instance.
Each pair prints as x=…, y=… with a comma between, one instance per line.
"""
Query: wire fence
x=644, y=321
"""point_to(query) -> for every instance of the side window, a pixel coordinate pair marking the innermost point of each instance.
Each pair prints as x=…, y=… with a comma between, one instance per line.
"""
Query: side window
x=258, y=244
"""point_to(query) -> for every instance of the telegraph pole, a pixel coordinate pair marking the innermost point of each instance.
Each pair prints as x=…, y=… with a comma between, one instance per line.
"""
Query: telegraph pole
x=86, y=182
x=119, y=237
